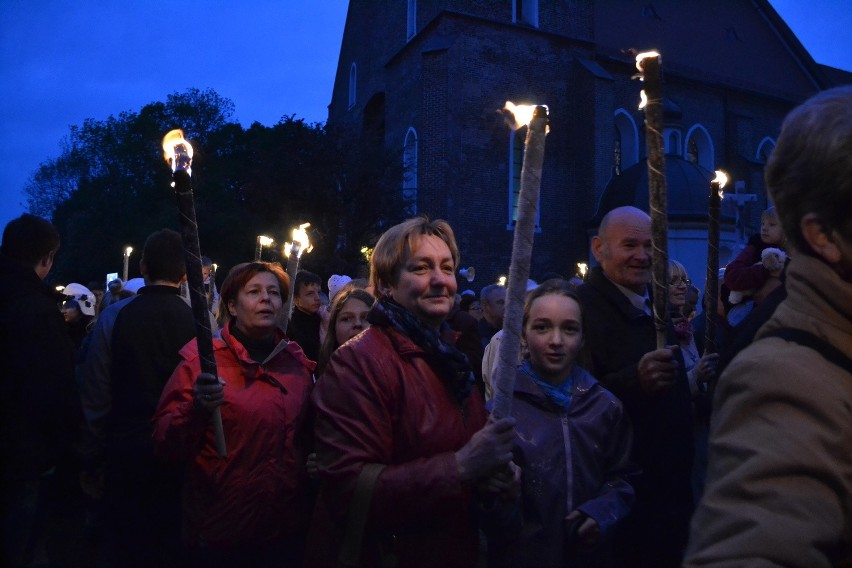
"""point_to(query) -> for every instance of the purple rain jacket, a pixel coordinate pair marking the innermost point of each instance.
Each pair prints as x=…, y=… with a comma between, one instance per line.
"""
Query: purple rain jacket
x=574, y=459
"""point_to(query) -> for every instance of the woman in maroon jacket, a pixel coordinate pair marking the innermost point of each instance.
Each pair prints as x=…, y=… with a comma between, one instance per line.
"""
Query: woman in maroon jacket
x=399, y=394
x=249, y=508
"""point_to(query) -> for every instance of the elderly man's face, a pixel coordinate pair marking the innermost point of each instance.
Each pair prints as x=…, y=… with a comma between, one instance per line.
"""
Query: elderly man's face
x=624, y=251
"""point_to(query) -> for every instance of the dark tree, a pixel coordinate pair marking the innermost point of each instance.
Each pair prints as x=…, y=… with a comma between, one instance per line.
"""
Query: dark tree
x=109, y=188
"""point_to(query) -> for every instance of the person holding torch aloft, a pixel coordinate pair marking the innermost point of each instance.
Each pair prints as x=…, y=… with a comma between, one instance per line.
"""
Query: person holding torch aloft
x=249, y=507
x=651, y=383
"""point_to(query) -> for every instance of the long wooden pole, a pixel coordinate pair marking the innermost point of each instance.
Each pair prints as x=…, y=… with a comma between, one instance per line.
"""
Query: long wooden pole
x=197, y=296
x=519, y=269
x=712, y=288
x=651, y=75
x=292, y=271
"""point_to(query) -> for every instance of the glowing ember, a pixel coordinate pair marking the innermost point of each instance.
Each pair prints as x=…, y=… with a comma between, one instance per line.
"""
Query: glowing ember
x=300, y=242
x=643, y=99
x=177, y=151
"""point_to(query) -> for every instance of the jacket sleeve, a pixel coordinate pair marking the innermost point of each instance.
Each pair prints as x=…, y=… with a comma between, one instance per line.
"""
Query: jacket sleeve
x=354, y=408
x=96, y=391
x=179, y=428
x=616, y=496
x=745, y=272
x=778, y=482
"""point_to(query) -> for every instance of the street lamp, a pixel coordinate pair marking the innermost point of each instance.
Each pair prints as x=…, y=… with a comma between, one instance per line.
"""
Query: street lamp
x=262, y=241
x=127, y=252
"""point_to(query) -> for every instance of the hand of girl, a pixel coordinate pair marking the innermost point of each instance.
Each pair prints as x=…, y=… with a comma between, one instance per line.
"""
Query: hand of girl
x=584, y=528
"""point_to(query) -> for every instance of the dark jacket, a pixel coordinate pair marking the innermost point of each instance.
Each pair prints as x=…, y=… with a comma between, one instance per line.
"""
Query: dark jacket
x=39, y=406
x=618, y=335
x=571, y=459
x=380, y=401
x=133, y=351
x=256, y=495
x=304, y=329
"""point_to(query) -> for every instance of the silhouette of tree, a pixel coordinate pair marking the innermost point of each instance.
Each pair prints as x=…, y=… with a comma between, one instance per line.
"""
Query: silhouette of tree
x=110, y=187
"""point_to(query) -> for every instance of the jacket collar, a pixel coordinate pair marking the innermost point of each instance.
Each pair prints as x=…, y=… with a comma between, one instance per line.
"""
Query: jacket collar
x=598, y=281
x=583, y=382
x=282, y=346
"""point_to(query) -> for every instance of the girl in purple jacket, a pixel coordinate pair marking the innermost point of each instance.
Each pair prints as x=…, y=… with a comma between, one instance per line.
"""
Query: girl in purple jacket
x=572, y=444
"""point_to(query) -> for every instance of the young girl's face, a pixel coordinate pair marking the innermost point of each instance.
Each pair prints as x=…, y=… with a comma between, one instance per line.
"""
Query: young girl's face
x=554, y=336
x=770, y=230
x=351, y=320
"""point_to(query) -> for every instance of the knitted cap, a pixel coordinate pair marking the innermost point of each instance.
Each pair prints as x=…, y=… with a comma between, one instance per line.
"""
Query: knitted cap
x=336, y=283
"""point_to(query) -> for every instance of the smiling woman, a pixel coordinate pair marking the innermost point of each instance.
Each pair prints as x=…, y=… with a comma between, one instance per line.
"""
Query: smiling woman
x=256, y=496
x=399, y=396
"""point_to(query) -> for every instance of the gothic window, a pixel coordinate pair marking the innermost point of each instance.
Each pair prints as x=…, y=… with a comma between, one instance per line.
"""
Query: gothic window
x=409, y=173
x=616, y=153
x=411, y=22
x=353, y=77
x=764, y=149
x=627, y=140
x=525, y=12
x=692, y=151
x=671, y=140
x=699, y=148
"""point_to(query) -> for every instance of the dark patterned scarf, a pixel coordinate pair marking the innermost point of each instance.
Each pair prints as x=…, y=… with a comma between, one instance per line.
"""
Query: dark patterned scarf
x=448, y=362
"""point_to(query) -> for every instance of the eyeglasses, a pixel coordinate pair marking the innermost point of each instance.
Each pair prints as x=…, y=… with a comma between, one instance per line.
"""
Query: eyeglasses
x=680, y=280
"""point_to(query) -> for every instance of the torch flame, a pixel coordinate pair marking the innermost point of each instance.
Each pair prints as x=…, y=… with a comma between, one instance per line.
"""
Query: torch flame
x=264, y=240
x=721, y=179
x=644, y=55
x=521, y=115
x=300, y=243
x=177, y=151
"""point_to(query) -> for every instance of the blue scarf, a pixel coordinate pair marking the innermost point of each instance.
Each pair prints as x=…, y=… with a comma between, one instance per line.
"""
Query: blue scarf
x=560, y=395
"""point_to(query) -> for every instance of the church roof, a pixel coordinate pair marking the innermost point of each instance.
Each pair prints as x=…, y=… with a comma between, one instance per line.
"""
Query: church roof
x=740, y=44
x=687, y=190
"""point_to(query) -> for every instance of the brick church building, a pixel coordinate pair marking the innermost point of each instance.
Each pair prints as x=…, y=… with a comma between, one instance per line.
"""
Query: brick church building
x=426, y=78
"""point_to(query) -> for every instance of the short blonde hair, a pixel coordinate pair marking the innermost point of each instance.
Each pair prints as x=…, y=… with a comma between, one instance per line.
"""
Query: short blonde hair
x=676, y=269
x=394, y=247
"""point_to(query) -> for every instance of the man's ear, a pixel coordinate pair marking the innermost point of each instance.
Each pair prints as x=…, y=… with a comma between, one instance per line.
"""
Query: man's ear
x=597, y=245
x=46, y=261
x=813, y=231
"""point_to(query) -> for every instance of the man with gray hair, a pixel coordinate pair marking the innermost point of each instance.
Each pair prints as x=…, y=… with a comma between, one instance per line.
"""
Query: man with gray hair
x=779, y=488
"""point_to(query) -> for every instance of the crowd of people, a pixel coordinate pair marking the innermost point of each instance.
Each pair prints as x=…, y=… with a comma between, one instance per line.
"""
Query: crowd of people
x=357, y=429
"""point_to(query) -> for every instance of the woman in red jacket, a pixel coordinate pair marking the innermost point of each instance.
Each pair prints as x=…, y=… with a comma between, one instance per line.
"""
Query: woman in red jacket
x=399, y=394
x=250, y=507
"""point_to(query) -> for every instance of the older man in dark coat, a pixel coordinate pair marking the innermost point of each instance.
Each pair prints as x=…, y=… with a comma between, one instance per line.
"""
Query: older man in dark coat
x=650, y=382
